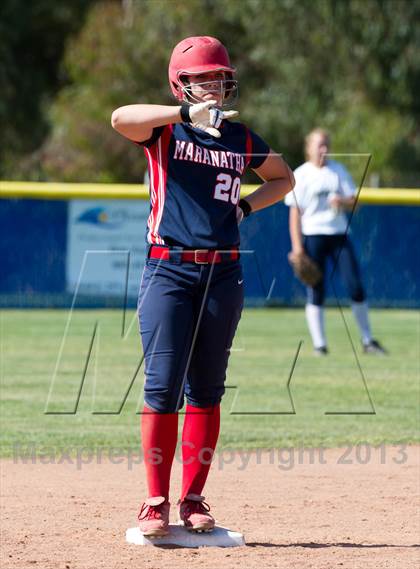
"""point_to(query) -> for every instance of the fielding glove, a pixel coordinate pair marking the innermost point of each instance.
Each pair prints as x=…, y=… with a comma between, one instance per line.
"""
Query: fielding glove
x=305, y=269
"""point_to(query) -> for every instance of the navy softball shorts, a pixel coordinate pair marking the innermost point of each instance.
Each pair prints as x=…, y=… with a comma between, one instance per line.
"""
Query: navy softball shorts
x=188, y=315
x=340, y=250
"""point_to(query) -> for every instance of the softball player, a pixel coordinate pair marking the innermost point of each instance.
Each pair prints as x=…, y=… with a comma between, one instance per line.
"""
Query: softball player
x=318, y=225
x=191, y=293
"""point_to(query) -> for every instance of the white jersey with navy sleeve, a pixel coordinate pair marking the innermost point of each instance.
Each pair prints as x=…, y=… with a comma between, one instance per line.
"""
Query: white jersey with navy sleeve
x=315, y=186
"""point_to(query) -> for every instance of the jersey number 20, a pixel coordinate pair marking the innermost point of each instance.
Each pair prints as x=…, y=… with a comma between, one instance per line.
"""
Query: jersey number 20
x=227, y=188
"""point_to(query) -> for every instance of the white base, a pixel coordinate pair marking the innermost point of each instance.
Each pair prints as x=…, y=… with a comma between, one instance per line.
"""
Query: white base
x=179, y=536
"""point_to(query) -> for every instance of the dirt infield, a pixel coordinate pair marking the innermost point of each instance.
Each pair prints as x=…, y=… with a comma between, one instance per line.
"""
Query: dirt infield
x=335, y=512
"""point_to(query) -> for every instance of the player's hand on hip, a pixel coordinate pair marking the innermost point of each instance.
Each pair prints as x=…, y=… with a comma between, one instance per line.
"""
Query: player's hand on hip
x=208, y=118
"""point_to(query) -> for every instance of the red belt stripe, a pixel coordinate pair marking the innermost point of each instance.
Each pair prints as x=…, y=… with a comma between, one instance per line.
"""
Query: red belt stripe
x=198, y=256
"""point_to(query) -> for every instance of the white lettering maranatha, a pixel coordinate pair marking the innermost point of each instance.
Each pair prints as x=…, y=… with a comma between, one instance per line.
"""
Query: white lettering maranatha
x=216, y=158
x=179, y=149
x=189, y=152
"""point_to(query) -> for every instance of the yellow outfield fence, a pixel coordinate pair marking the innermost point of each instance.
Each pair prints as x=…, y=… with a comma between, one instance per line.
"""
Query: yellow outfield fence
x=67, y=191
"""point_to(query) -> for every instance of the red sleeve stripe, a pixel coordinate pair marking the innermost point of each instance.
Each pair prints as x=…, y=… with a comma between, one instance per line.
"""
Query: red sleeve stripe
x=248, y=147
x=157, y=157
x=152, y=175
x=163, y=148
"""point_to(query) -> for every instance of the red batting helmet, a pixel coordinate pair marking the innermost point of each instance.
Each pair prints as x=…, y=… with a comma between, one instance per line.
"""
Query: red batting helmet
x=196, y=55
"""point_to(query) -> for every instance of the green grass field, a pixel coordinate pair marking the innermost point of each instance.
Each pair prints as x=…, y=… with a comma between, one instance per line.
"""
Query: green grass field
x=328, y=403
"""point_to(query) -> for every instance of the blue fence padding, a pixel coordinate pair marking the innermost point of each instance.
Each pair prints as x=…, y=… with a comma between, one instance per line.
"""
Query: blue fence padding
x=33, y=242
x=385, y=239
x=33, y=236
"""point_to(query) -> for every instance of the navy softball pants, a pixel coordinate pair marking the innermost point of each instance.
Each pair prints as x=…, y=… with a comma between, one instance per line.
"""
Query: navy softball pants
x=339, y=249
x=188, y=315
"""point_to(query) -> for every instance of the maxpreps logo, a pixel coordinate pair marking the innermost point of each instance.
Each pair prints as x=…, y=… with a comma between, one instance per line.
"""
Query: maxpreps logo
x=107, y=218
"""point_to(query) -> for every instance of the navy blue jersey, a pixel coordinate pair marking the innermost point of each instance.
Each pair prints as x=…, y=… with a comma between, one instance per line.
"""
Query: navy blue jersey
x=195, y=182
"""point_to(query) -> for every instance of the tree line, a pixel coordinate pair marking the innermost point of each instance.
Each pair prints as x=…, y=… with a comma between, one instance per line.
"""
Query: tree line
x=351, y=66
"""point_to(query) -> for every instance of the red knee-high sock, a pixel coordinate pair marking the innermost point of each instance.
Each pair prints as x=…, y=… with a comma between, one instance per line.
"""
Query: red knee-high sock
x=199, y=438
x=159, y=433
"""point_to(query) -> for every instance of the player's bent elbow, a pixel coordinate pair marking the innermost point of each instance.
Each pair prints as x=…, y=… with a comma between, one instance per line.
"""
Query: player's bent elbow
x=287, y=185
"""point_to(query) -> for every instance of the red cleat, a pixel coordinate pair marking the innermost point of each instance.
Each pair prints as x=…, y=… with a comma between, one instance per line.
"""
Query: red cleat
x=194, y=514
x=154, y=517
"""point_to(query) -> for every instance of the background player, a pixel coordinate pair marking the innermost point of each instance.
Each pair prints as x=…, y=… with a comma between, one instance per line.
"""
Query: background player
x=318, y=226
x=191, y=293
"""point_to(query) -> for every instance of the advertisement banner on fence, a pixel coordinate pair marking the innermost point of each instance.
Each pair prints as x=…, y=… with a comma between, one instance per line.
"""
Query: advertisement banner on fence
x=106, y=247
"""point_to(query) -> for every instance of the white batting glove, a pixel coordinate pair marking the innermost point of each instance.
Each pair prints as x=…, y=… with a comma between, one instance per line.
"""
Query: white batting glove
x=206, y=117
